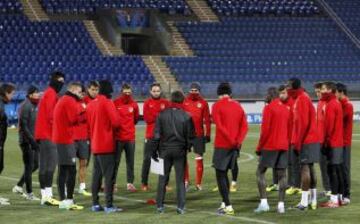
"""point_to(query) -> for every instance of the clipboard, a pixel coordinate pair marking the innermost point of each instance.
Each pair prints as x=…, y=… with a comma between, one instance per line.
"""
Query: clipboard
x=157, y=167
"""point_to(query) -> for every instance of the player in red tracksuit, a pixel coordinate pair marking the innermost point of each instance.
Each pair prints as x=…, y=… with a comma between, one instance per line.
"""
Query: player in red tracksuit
x=273, y=147
x=103, y=120
x=333, y=142
x=320, y=111
x=67, y=115
x=43, y=133
x=294, y=164
x=305, y=141
x=231, y=129
x=198, y=109
x=128, y=111
x=348, y=119
x=151, y=108
x=81, y=136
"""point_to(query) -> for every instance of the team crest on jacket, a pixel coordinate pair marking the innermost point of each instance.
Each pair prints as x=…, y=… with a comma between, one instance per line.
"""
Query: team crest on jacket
x=199, y=105
x=131, y=109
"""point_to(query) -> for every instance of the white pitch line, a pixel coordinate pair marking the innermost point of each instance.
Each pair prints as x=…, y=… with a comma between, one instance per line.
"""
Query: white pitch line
x=240, y=218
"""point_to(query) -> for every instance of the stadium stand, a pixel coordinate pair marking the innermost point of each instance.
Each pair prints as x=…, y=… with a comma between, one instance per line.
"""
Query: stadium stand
x=266, y=7
x=90, y=6
x=253, y=51
x=10, y=6
x=348, y=11
x=31, y=50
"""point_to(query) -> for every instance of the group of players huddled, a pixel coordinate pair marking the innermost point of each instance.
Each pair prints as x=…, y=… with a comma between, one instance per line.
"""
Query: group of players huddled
x=86, y=122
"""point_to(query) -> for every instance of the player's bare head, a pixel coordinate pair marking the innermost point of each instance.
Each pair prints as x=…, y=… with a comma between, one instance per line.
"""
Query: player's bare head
x=75, y=88
x=177, y=97
x=317, y=88
x=283, y=94
x=126, y=89
x=93, y=89
x=294, y=83
x=328, y=87
x=341, y=90
x=224, y=89
x=155, y=90
x=272, y=93
x=7, y=91
x=33, y=92
x=106, y=88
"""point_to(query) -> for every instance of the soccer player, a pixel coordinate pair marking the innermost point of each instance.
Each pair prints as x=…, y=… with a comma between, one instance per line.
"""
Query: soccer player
x=305, y=142
x=67, y=114
x=320, y=124
x=348, y=113
x=81, y=137
x=198, y=109
x=128, y=111
x=294, y=163
x=28, y=145
x=151, y=108
x=173, y=134
x=273, y=148
x=43, y=132
x=7, y=92
x=231, y=129
x=102, y=119
x=333, y=142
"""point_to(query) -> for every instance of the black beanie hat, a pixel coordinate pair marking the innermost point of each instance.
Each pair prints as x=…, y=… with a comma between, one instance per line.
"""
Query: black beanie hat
x=195, y=85
x=105, y=88
x=224, y=88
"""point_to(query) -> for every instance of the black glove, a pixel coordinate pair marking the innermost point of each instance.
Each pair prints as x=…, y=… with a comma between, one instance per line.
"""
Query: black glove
x=207, y=139
x=34, y=145
x=155, y=156
x=258, y=153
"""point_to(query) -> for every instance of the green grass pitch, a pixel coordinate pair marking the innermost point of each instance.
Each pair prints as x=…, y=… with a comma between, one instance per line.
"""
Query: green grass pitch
x=201, y=206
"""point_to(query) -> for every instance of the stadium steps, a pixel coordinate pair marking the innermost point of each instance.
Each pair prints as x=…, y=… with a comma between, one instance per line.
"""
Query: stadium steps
x=104, y=46
x=202, y=10
x=180, y=47
x=161, y=73
x=34, y=11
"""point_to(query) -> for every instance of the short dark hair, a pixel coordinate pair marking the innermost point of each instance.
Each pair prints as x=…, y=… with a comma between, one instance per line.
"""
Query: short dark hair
x=93, y=83
x=341, y=88
x=177, y=97
x=155, y=84
x=6, y=88
x=105, y=88
x=318, y=85
x=56, y=75
x=125, y=86
x=224, y=88
x=282, y=88
x=272, y=93
x=330, y=85
x=294, y=83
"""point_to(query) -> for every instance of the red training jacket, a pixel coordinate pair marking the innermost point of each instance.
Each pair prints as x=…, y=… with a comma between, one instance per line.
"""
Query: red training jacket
x=274, y=127
x=102, y=119
x=333, y=132
x=67, y=114
x=231, y=123
x=320, y=116
x=151, y=109
x=348, y=112
x=81, y=130
x=200, y=114
x=304, y=123
x=44, y=118
x=129, y=115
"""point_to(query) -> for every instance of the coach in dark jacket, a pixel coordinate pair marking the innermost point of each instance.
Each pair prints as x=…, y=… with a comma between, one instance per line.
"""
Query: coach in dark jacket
x=28, y=145
x=173, y=133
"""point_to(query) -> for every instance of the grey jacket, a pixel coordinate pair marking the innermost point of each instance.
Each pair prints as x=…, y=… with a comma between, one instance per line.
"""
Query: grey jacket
x=27, y=118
